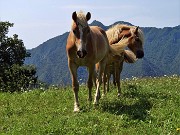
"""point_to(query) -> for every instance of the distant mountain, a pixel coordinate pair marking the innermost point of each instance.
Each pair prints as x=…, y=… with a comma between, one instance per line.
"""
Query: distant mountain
x=97, y=23
x=162, y=56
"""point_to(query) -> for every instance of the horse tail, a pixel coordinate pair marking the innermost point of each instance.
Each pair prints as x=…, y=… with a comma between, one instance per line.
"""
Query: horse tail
x=118, y=48
x=129, y=56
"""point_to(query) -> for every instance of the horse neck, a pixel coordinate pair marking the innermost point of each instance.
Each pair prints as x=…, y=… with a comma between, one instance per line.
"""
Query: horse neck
x=72, y=36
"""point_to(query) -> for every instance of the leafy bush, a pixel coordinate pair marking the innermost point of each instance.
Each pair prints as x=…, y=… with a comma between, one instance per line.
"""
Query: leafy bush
x=18, y=78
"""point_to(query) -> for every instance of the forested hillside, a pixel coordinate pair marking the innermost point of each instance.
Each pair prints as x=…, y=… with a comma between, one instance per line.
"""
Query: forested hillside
x=162, y=56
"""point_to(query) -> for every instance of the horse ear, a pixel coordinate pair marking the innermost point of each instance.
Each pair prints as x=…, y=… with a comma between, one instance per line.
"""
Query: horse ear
x=136, y=30
x=74, y=16
x=88, y=16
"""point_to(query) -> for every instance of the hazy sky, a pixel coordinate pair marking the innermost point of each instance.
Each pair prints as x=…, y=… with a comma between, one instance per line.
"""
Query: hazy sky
x=36, y=21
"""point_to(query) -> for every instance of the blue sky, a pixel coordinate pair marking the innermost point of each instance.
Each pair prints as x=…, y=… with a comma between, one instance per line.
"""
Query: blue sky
x=36, y=21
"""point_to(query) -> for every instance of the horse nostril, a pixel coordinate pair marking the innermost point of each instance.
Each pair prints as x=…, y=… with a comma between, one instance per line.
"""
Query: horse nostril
x=140, y=54
x=84, y=52
x=81, y=54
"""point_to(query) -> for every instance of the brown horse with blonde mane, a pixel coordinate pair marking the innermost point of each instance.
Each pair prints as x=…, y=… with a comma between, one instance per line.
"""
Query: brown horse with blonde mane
x=116, y=34
x=86, y=46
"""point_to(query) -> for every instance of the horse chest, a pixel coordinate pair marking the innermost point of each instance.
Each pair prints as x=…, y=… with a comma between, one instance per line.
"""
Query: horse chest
x=80, y=61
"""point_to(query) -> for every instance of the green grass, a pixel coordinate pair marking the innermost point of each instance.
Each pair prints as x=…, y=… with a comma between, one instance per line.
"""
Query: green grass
x=148, y=106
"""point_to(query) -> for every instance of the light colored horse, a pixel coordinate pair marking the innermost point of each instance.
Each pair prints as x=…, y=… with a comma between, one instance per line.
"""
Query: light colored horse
x=86, y=46
x=116, y=34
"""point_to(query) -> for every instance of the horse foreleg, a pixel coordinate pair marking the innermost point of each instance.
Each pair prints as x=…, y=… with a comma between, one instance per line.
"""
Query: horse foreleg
x=75, y=85
x=94, y=78
x=97, y=95
x=104, y=77
x=114, y=77
x=108, y=79
x=90, y=81
x=104, y=84
x=118, y=72
x=99, y=80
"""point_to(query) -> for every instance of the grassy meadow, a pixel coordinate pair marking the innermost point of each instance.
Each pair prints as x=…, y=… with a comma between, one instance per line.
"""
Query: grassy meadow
x=148, y=106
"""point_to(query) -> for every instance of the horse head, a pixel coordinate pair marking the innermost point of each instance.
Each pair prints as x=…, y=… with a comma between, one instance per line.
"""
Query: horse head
x=81, y=31
x=136, y=42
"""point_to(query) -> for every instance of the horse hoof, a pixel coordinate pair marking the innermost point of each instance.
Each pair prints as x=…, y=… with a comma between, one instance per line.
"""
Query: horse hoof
x=119, y=95
x=95, y=103
x=103, y=95
x=76, y=109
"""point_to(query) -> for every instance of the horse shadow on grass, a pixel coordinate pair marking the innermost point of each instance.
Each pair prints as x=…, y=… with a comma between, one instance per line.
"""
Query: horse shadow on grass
x=137, y=110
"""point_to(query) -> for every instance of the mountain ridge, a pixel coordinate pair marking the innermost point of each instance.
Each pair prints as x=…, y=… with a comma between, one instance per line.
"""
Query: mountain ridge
x=162, y=50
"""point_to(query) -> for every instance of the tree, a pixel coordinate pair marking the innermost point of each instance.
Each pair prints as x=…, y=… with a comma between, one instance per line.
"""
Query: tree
x=14, y=76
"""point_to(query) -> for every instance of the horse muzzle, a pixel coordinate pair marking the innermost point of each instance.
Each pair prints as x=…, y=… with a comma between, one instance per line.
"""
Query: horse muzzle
x=81, y=53
x=139, y=54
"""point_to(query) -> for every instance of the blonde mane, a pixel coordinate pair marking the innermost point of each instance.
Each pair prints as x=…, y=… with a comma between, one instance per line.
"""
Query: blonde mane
x=119, y=47
x=114, y=31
